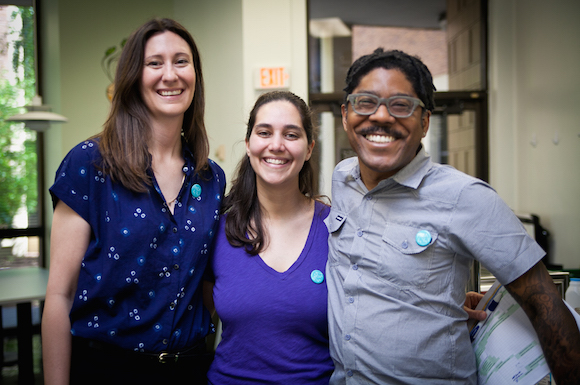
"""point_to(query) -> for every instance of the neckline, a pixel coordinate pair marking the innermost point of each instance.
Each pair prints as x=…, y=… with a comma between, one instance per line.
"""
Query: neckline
x=178, y=194
x=303, y=253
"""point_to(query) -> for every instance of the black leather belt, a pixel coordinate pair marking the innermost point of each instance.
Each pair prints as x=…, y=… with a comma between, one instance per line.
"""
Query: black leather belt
x=196, y=351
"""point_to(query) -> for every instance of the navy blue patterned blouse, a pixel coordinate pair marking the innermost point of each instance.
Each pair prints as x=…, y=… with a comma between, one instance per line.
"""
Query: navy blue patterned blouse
x=139, y=282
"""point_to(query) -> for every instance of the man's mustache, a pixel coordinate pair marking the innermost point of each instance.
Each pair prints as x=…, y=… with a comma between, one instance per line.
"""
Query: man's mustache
x=380, y=130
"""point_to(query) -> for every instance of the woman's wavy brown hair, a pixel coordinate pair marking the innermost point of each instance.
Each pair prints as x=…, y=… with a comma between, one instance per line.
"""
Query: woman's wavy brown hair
x=244, y=211
x=123, y=141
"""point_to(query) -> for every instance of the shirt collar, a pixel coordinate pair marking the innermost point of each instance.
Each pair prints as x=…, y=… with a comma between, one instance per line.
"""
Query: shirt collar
x=187, y=154
x=410, y=176
x=189, y=164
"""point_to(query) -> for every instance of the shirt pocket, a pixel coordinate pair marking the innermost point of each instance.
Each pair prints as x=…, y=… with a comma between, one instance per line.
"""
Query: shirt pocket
x=407, y=255
x=338, y=240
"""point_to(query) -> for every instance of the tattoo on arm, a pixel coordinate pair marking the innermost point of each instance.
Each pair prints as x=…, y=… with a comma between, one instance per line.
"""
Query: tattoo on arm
x=554, y=324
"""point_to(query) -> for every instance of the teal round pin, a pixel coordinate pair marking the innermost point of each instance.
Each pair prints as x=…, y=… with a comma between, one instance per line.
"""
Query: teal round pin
x=316, y=276
x=423, y=238
x=196, y=190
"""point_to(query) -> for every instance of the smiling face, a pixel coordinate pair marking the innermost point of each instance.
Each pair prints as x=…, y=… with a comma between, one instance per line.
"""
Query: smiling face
x=278, y=146
x=168, y=79
x=384, y=144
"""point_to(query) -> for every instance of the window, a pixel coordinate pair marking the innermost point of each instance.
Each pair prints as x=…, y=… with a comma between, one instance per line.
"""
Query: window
x=21, y=225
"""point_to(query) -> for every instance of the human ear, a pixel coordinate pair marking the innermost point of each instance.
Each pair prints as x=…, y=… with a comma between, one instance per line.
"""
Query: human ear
x=310, y=149
x=343, y=111
x=425, y=119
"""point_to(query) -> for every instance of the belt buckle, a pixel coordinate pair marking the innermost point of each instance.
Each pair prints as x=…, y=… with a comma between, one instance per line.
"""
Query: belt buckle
x=165, y=357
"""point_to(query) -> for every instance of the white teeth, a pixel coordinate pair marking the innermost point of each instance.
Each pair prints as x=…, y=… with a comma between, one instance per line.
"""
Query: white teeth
x=380, y=138
x=170, y=93
x=275, y=161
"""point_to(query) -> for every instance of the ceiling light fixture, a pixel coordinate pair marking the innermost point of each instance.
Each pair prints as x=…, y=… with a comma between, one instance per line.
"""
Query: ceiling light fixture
x=38, y=117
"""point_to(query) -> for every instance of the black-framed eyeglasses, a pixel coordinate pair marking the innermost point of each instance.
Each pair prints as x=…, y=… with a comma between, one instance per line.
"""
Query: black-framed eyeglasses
x=398, y=106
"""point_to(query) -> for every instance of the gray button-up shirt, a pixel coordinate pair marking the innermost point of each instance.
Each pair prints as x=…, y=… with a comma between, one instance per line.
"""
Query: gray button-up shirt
x=398, y=267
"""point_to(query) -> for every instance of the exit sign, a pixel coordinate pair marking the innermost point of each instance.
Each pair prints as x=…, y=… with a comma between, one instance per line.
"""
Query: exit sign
x=272, y=77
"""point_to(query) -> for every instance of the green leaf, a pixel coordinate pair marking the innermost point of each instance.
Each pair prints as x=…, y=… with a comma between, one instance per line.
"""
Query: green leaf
x=110, y=51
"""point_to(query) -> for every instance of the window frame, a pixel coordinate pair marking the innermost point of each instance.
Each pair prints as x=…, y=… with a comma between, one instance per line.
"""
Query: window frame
x=40, y=229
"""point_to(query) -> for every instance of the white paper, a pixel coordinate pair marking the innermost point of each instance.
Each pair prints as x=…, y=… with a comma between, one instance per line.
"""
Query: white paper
x=507, y=349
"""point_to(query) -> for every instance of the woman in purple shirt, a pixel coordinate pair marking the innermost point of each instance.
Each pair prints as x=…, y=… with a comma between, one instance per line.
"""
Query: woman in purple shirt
x=270, y=256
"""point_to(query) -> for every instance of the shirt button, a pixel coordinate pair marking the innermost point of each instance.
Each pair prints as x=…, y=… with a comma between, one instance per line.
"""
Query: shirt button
x=349, y=373
x=176, y=266
x=359, y=232
x=404, y=245
x=165, y=342
x=175, y=229
x=369, y=197
x=355, y=267
x=347, y=337
x=350, y=299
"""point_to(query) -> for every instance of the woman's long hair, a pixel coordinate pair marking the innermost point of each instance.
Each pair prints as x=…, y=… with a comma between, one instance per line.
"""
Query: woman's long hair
x=244, y=225
x=123, y=141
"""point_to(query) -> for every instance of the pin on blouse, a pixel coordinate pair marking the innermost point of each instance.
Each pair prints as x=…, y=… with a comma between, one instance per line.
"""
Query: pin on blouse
x=196, y=190
x=317, y=276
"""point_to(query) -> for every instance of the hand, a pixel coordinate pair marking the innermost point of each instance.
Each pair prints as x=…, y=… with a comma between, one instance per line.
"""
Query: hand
x=471, y=300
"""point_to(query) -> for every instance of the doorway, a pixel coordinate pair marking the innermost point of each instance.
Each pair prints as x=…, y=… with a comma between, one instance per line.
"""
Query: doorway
x=448, y=35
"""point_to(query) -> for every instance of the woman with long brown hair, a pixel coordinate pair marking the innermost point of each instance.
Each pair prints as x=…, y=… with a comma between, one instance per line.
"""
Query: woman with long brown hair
x=136, y=208
x=270, y=256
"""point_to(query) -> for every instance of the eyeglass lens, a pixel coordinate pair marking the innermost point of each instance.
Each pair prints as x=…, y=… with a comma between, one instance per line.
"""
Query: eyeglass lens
x=397, y=106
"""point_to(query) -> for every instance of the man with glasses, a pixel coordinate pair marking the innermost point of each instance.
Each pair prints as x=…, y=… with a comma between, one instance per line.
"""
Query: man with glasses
x=403, y=234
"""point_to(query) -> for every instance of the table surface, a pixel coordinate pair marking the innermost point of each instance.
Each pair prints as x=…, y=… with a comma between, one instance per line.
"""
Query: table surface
x=22, y=284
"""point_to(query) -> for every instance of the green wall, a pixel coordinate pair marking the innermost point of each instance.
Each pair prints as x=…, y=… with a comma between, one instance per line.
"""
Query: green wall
x=230, y=35
x=73, y=36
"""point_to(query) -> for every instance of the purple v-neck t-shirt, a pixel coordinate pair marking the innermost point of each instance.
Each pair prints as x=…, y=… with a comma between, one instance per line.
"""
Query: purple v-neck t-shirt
x=275, y=327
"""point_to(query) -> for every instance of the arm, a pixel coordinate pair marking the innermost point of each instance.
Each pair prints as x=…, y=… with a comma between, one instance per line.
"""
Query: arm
x=208, y=297
x=556, y=328
x=70, y=237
